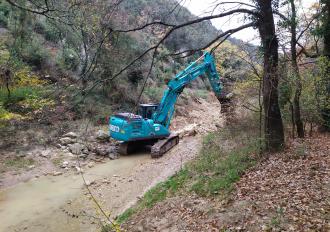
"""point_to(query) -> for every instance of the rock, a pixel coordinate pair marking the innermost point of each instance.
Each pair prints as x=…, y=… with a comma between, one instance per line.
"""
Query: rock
x=76, y=148
x=106, y=181
x=89, y=183
x=30, y=167
x=57, y=173
x=92, y=147
x=112, y=149
x=44, y=154
x=83, y=156
x=90, y=165
x=65, y=164
x=102, y=136
x=71, y=135
x=130, y=180
x=115, y=176
x=85, y=151
x=113, y=156
x=67, y=140
x=102, y=151
x=59, y=146
x=79, y=170
x=21, y=155
x=191, y=133
x=217, y=125
x=189, y=130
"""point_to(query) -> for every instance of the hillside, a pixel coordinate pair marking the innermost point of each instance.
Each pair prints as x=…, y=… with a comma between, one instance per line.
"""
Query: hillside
x=59, y=54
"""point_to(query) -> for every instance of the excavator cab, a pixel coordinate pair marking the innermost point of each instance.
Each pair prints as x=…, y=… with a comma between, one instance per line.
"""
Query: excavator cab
x=147, y=110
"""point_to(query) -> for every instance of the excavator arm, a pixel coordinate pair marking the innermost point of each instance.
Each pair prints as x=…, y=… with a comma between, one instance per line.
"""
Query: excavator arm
x=201, y=66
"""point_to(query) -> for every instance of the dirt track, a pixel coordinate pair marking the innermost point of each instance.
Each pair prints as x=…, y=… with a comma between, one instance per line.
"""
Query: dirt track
x=62, y=203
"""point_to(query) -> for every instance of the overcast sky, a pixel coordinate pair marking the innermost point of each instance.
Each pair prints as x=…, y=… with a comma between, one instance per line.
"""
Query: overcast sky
x=201, y=7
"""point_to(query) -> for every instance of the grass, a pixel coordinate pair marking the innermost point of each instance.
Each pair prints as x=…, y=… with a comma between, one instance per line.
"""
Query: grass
x=57, y=161
x=212, y=174
x=216, y=169
x=157, y=194
x=16, y=163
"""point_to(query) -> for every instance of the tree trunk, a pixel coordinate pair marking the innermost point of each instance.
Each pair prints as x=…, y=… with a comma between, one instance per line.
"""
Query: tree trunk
x=292, y=119
x=325, y=111
x=327, y=29
x=274, y=132
x=296, y=74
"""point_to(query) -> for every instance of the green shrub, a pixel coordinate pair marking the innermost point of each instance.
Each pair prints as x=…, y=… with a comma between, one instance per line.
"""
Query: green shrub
x=68, y=59
x=4, y=14
x=22, y=100
x=35, y=54
x=50, y=31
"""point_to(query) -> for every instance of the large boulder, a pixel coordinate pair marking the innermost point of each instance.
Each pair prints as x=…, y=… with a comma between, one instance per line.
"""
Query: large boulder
x=76, y=148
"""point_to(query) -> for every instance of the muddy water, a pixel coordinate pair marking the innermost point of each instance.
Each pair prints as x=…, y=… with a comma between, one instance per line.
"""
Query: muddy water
x=33, y=199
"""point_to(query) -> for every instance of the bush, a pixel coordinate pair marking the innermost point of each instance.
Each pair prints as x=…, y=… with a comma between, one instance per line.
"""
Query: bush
x=68, y=59
x=135, y=76
x=34, y=54
x=4, y=14
x=50, y=32
x=16, y=95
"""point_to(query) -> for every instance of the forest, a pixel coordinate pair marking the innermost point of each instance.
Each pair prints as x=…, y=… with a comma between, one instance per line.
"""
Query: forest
x=250, y=126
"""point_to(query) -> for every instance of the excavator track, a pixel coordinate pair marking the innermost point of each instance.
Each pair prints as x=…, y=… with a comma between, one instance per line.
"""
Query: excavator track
x=126, y=148
x=164, y=145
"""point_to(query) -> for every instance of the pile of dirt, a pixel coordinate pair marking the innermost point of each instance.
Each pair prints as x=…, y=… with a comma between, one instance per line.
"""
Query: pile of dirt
x=288, y=191
x=196, y=118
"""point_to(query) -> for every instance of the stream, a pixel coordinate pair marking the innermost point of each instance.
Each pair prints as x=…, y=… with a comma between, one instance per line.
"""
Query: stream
x=30, y=200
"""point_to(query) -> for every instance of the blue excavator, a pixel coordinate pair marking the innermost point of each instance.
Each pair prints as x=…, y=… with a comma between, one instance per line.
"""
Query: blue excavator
x=151, y=125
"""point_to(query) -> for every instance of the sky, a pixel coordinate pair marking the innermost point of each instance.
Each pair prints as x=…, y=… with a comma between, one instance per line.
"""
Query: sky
x=201, y=7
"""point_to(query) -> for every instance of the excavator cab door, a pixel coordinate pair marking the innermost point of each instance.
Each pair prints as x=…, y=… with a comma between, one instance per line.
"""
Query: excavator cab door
x=147, y=110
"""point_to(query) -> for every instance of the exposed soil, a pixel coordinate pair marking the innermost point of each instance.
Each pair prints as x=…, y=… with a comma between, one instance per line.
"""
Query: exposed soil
x=289, y=191
x=48, y=197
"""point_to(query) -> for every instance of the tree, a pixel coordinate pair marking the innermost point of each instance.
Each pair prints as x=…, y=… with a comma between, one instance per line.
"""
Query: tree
x=274, y=133
x=325, y=111
x=326, y=27
x=295, y=68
